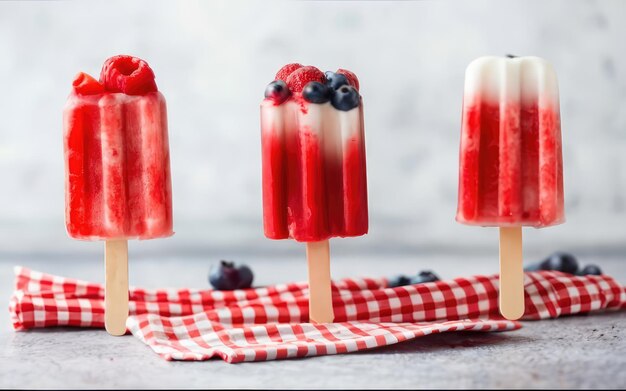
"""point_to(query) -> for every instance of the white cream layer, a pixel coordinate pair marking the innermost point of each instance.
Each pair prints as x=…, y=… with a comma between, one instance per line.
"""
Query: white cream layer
x=334, y=127
x=518, y=79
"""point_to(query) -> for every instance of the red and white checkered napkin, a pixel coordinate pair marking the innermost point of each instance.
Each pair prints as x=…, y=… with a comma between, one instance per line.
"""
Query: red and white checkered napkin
x=272, y=322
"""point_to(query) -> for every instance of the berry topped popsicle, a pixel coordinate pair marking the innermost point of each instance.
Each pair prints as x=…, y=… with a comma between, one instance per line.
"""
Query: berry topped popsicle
x=510, y=168
x=314, y=175
x=117, y=183
x=117, y=155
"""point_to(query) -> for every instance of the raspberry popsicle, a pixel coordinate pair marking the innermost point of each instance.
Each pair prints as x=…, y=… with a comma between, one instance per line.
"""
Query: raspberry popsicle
x=314, y=177
x=117, y=184
x=510, y=170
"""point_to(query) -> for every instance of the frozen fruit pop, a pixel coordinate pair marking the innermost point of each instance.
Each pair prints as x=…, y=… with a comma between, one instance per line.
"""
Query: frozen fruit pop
x=118, y=183
x=510, y=169
x=511, y=172
x=314, y=176
x=117, y=155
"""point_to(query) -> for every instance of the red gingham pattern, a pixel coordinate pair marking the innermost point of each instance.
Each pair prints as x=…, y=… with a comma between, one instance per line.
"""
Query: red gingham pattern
x=188, y=324
x=195, y=337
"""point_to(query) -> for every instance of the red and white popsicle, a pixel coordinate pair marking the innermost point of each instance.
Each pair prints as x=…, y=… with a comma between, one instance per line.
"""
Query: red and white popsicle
x=117, y=182
x=314, y=177
x=510, y=169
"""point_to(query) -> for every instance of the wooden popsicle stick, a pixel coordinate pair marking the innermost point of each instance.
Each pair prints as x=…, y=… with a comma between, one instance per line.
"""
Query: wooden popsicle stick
x=320, y=292
x=116, y=286
x=511, y=273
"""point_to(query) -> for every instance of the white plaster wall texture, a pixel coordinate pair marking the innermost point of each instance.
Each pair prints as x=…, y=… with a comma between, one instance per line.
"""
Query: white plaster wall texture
x=213, y=59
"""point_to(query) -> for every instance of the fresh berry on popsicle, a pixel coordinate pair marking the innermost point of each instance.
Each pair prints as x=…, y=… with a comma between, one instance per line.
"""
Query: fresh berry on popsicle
x=284, y=72
x=302, y=76
x=127, y=74
x=84, y=84
x=350, y=76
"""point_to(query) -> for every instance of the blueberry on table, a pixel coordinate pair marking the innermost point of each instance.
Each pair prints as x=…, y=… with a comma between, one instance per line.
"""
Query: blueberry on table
x=591, y=270
x=424, y=276
x=399, y=280
x=316, y=92
x=345, y=98
x=562, y=262
x=226, y=277
x=336, y=80
x=277, y=91
x=245, y=277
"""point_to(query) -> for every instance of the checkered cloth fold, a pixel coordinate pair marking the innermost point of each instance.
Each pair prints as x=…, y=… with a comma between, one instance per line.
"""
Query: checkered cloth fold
x=272, y=322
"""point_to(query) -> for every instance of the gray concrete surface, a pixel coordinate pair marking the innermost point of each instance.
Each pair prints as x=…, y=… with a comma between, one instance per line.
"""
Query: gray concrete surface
x=572, y=352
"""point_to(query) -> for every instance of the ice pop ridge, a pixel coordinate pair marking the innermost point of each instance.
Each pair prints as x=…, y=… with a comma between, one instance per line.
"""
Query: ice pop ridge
x=118, y=182
x=314, y=177
x=510, y=170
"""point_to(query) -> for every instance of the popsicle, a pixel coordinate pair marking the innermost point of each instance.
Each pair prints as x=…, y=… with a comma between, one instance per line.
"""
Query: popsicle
x=314, y=175
x=117, y=182
x=510, y=168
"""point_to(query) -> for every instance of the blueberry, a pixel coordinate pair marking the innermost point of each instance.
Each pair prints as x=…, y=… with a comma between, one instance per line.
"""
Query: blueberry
x=277, y=91
x=345, y=98
x=399, y=280
x=335, y=80
x=424, y=276
x=316, y=92
x=562, y=262
x=226, y=277
x=591, y=270
x=245, y=277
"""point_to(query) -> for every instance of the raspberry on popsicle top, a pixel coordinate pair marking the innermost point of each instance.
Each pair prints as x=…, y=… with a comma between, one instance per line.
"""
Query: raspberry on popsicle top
x=284, y=72
x=126, y=74
x=84, y=84
x=310, y=84
x=302, y=76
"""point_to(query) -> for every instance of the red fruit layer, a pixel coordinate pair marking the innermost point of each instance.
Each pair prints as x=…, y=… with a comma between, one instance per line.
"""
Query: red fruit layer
x=86, y=85
x=303, y=76
x=127, y=74
x=117, y=167
x=511, y=171
x=284, y=72
x=308, y=194
x=352, y=79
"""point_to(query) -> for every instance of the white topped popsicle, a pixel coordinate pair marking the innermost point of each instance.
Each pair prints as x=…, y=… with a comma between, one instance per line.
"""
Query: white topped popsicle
x=511, y=171
x=510, y=165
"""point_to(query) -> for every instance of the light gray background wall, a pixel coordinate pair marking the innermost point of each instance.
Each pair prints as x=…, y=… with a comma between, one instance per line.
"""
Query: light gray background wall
x=213, y=59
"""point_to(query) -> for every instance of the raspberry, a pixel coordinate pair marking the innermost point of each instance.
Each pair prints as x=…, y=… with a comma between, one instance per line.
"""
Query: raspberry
x=352, y=79
x=302, y=76
x=86, y=85
x=284, y=72
x=127, y=74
